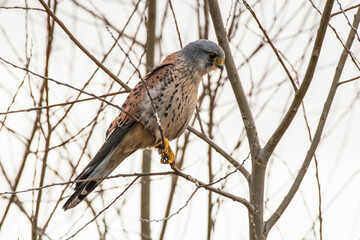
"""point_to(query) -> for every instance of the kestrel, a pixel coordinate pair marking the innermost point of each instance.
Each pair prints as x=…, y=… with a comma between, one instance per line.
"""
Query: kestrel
x=173, y=87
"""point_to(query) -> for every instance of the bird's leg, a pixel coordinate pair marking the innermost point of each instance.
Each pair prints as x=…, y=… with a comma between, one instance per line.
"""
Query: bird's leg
x=165, y=151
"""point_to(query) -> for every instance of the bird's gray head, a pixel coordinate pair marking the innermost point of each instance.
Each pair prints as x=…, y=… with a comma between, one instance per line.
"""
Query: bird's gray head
x=205, y=54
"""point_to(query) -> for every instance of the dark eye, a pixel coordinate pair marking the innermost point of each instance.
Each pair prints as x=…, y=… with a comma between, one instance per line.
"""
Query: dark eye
x=213, y=56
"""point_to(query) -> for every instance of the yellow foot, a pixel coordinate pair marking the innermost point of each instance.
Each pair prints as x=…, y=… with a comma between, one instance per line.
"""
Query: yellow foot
x=165, y=151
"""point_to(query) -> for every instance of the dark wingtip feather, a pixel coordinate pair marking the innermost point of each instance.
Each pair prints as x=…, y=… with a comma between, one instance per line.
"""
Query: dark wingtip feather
x=76, y=198
x=81, y=191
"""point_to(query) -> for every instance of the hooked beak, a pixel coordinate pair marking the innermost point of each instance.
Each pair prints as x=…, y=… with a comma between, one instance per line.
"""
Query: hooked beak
x=220, y=63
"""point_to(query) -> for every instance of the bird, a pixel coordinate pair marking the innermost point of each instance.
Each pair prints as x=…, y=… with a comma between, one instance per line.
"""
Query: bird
x=157, y=110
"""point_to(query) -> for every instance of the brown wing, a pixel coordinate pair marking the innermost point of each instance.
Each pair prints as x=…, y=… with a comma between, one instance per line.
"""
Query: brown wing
x=132, y=104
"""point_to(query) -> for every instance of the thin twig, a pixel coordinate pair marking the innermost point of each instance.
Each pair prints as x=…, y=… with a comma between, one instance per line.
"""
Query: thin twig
x=60, y=104
x=103, y=18
x=319, y=197
x=23, y=8
x=353, y=58
x=176, y=25
x=317, y=136
x=198, y=183
x=156, y=115
x=173, y=214
x=350, y=80
x=87, y=180
x=187, y=202
x=49, y=129
x=149, y=50
x=179, y=162
x=235, y=163
x=197, y=116
x=272, y=45
x=316, y=174
x=234, y=78
x=79, y=90
x=345, y=10
x=290, y=114
x=347, y=19
x=24, y=157
x=107, y=207
x=82, y=48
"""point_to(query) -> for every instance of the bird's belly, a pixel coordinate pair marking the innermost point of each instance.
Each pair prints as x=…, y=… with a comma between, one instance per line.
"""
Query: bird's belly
x=175, y=123
x=177, y=113
x=174, y=110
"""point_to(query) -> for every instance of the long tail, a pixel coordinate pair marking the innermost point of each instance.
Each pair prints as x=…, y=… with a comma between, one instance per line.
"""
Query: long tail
x=101, y=170
x=101, y=166
x=82, y=189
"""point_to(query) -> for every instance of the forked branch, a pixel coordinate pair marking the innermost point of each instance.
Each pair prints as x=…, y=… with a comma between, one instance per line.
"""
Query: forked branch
x=234, y=79
x=82, y=48
x=268, y=149
x=279, y=211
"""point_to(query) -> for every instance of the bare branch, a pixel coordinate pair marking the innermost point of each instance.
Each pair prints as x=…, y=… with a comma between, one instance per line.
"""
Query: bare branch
x=156, y=115
x=234, y=78
x=349, y=80
x=279, y=211
x=79, y=90
x=60, y=104
x=23, y=8
x=187, y=202
x=353, y=58
x=173, y=214
x=176, y=25
x=87, y=180
x=235, y=163
x=290, y=114
x=198, y=183
x=82, y=48
x=272, y=46
x=347, y=19
x=107, y=207
x=345, y=10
